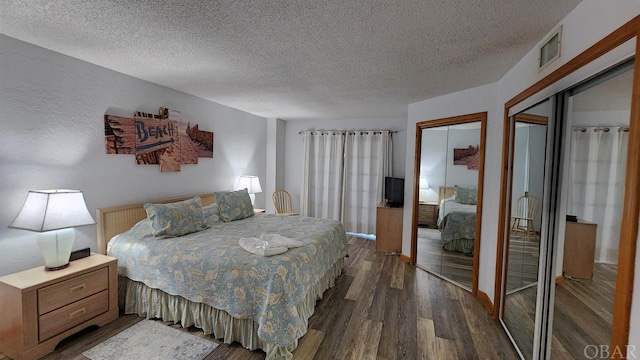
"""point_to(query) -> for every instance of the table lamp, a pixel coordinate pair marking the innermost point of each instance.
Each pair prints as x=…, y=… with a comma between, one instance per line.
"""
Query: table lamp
x=424, y=183
x=423, y=188
x=53, y=214
x=252, y=184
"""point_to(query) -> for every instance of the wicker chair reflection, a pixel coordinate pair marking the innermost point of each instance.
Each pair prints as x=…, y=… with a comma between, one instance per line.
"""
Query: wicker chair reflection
x=523, y=221
x=282, y=202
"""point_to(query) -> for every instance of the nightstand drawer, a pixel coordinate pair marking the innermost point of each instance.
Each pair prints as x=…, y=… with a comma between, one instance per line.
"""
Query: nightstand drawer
x=427, y=214
x=65, y=318
x=65, y=292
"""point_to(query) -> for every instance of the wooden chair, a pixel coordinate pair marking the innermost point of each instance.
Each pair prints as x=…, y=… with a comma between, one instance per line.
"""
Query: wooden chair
x=282, y=202
x=523, y=221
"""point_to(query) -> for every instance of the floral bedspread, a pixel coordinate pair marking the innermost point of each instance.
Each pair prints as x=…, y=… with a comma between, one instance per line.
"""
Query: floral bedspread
x=210, y=267
x=458, y=230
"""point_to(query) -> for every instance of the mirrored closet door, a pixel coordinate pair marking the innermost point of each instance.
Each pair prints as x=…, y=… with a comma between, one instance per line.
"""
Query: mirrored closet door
x=448, y=206
x=597, y=135
x=527, y=161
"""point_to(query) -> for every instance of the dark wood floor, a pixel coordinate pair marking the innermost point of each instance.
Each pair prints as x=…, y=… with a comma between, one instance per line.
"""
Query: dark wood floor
x=583, y=314
x=524, y=256
x=381, y=308
x=432, y=257
x=456, y=266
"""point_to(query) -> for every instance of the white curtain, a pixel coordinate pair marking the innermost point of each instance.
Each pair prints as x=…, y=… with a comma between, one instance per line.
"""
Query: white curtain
x=367, y=159
x=322, y=180
x=598, y=162
x=344, y=176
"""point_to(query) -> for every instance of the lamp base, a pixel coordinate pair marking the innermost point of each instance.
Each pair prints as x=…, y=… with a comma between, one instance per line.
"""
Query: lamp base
x=54, y=268
x=55, y=247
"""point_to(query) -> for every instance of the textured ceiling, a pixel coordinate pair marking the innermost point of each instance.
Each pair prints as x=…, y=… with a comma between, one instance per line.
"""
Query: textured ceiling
x=305, y=59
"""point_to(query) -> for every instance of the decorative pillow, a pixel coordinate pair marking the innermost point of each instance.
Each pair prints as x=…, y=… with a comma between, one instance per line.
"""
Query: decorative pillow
x=234, y=205
x=467, y=196
x=211, y=213
x=451, y=198
x=176, y=219
x=142, y=225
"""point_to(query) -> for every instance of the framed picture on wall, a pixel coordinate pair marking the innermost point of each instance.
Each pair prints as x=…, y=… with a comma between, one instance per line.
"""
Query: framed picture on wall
x=467, y=156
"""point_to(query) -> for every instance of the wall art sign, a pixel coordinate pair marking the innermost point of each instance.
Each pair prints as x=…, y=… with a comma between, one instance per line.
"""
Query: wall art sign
x=157, y=139
x=469, y=156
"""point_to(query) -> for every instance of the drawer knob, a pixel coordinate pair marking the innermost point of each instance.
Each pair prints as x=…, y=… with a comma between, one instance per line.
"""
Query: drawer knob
x=77, y=313
x=78, y=288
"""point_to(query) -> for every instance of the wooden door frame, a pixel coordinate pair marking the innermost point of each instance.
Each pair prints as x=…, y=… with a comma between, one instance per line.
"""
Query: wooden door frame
x=631, y=206
x=455, y=120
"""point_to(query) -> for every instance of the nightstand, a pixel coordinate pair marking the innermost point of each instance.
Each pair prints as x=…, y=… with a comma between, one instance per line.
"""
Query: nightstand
x=428, y=214
x=39, y=308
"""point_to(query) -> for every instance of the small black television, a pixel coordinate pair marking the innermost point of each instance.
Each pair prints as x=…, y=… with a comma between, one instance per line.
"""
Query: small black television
x=394, y=191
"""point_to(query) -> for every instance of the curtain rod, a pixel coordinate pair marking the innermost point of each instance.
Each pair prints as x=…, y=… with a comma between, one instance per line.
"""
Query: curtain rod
x=605, y=129
x=347, y=131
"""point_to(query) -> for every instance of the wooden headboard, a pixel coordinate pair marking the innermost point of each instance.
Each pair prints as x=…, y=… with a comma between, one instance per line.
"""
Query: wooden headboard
x=118, y=219
x=445, y=192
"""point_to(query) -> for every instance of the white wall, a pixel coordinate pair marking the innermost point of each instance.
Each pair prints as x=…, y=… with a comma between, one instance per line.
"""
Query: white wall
x=53, y=137
x=601, y=118
x=478, y=99
x=294, y=155
x=274, y=178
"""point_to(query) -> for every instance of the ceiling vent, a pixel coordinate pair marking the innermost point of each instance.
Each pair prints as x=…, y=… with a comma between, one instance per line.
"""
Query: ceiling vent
x=550, y=49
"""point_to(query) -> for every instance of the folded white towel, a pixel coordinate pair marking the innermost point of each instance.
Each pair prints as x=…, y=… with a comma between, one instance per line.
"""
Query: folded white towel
x=260, y=247
x=278, y=240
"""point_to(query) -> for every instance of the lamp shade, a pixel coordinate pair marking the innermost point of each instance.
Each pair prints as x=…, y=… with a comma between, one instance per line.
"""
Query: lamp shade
x=53, y=214
x=46, y=210
x=424, y=183
x=249, y=182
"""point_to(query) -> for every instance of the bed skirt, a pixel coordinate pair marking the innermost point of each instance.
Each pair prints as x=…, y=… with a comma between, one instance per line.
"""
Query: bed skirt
x=460, y=245
x=137, y=298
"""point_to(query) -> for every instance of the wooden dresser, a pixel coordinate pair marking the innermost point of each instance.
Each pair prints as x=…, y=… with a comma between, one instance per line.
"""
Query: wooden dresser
x=579, y=249
x=428, y=214
x=389, y=229
x=39, y=308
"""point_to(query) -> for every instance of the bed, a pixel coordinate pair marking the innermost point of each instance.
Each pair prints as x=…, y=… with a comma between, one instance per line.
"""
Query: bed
x=206, y=279
x=457, y=218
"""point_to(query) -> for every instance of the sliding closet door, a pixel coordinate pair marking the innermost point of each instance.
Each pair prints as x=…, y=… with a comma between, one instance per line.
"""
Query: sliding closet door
x=528, y=162
x=596, y=118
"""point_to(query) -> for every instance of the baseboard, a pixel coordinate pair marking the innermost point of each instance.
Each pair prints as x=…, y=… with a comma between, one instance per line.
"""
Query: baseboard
x=405, y=258
x=486, y=301
x=559, y=279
